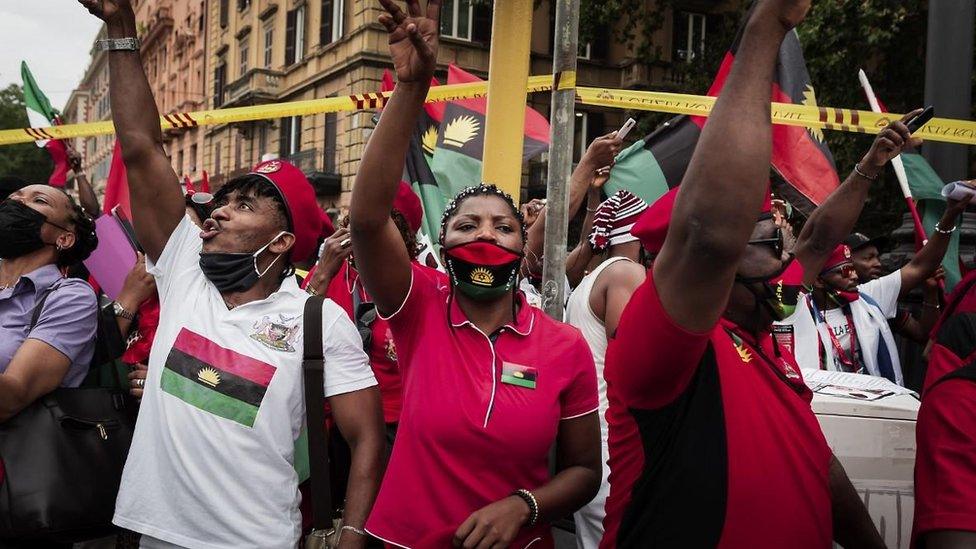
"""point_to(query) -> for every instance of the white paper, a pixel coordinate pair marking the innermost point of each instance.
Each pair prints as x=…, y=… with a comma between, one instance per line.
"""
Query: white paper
x=832, y=383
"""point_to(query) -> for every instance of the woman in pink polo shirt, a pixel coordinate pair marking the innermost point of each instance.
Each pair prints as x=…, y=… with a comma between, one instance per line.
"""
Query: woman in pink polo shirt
x=490, y=384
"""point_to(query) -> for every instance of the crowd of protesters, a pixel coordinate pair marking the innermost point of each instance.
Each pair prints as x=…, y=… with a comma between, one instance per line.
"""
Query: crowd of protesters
x=669, y=409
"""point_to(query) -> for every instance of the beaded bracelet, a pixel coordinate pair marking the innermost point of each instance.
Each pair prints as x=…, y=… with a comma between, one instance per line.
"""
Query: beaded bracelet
x=533, y=504
x=940, y=230
x=857, y=170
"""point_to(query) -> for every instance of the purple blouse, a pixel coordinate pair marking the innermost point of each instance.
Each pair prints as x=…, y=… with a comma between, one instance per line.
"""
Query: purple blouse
x=67, y=322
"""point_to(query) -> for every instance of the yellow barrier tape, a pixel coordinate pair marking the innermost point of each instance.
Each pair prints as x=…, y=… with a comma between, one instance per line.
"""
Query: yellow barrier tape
x=810, y=116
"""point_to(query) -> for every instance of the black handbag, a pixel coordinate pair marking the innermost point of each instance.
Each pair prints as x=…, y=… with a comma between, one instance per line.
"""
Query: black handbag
x=63, y=457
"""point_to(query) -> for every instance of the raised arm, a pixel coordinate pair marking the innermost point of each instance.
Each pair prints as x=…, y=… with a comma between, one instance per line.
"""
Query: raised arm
x=833, y=220
x=86, y=195
x=381, y=257
x=598, y=155
x=929, y=258
x=716, y=209
x=154, y=189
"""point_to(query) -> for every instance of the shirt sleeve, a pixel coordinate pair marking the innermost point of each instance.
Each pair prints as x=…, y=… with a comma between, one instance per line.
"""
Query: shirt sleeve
x=945, y=471
x=69, y=321
x=651, y=359
x=181, y=254
x=406, y=322
x=581, y=396
x=885, y=291
x=346, y=364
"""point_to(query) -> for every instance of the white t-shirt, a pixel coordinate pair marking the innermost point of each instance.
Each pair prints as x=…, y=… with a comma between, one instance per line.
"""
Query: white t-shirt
x=839, y=325
x=212, y=458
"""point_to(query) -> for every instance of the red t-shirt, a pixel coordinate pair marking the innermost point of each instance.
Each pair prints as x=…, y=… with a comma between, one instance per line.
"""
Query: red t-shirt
x=945, y=460
x=479, y=414
x=712, y=439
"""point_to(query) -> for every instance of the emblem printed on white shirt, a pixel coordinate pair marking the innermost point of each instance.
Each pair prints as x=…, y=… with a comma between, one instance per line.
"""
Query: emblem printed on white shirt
x=277, y=334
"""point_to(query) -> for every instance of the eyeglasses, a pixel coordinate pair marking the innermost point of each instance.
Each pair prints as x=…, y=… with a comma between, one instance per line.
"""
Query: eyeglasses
x=776, y=242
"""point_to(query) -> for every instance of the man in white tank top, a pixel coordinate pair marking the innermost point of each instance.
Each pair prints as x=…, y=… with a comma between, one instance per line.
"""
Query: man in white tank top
x=595, y=307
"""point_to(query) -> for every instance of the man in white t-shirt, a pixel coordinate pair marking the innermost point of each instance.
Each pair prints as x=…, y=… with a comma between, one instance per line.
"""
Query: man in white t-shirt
x=213, y=457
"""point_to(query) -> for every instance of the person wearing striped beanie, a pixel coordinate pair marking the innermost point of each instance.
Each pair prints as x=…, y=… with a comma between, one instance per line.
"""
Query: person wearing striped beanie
x=595, y=307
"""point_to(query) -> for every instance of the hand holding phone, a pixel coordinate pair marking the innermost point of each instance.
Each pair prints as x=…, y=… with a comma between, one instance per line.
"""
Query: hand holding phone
x=918, y=121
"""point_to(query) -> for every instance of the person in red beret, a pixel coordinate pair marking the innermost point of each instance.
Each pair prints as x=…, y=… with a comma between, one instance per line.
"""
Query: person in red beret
x=213, y=457
x=712, y=440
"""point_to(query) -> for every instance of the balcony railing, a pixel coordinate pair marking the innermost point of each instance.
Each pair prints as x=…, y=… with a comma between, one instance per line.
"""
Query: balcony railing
x=304, y=160
x=256, y=86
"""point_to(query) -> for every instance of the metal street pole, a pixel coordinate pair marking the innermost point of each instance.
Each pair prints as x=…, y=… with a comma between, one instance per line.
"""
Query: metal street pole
x=562, y=120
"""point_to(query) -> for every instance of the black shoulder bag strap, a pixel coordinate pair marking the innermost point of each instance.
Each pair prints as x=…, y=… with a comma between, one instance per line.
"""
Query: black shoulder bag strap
x=39, y=306
x=313, y=366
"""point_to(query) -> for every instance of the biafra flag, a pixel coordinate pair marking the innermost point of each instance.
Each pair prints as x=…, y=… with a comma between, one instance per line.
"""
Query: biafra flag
x=461, y=138
x=214, y=379
x=800, y=156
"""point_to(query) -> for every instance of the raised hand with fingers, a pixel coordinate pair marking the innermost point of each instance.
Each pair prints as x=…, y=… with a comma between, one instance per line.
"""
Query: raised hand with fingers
x=413, y=38
x=889, y=144
x=107, y=10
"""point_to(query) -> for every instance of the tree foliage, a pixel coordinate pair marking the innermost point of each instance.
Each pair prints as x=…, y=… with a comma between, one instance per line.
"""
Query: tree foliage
x=25, y=160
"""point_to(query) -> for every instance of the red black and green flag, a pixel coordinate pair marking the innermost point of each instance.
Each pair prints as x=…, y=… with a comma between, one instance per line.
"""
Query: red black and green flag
x=417, y=168
x=461, y=138
x=800, y=156
x=215, y=379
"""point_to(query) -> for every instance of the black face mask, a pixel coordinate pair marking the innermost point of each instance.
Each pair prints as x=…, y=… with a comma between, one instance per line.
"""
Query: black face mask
x=234, y=272
x=20, y=226
x=772, y=299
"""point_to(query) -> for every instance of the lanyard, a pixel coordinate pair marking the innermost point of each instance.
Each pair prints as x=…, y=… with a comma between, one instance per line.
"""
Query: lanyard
x=739, y=340
x=848, y=363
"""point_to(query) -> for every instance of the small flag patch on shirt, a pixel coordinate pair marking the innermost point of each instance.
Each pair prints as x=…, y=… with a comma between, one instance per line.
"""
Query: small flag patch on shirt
x=516, y=374
x=217, y=380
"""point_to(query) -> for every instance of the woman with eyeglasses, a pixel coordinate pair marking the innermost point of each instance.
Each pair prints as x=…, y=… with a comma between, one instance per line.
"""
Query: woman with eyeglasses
x=490, y=384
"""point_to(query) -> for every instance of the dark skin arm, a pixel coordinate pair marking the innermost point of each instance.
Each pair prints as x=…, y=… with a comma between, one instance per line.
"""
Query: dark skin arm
x=615, y=287
x=599, y=155
x=137, y=288
x=154, y=189
x=579, y=258
x=716, y=209
x=576, y=482
x=852, y=523
x=86, y=195
x=833, y=220
x=360, y=420
x=919, y=330
x=929, y=258
x=331, y=261
x=950, y=539
x=381, y=257
x=35, y=370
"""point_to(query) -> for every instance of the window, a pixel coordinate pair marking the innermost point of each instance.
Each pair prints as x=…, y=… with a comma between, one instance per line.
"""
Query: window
x=291, y=136
x=295, y=36
x=217, y=158
x=331, y=138
x=456, y=18
x=589, y=126
x=585, y=51
x=243, y=4
x=332, y=19
x=224, y=8
x=262, y=138
x=238, y=150
x=243, y=47
x=688, y=42
x=193, y=158
x=220, y=80
x=268, y=45
x=180, y=158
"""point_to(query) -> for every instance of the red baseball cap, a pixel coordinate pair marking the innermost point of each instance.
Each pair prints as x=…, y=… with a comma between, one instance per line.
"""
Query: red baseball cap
x=304, y=214
x=652, y=227
x=838, y=257
x=408, y=203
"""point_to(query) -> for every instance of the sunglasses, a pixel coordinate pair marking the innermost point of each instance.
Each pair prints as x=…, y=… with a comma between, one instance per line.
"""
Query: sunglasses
x=776, y=242
x=847, y=270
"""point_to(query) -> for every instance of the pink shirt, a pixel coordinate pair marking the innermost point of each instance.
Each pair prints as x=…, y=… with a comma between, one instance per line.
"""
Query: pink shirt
x=467, y=437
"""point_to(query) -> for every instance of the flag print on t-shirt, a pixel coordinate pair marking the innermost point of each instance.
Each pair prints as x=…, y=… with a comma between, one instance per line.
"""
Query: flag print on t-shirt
x=217, y=380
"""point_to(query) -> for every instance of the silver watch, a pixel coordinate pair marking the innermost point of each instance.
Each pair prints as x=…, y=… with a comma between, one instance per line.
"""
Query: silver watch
x=118, y=44
x=120, y=311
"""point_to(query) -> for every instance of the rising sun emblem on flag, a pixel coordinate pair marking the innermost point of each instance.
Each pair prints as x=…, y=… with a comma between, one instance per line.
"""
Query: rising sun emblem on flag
x=744, y=353
x=482, y=276
x=810, y=99
x=461, y=130
x=429, y=140
x=209, y=376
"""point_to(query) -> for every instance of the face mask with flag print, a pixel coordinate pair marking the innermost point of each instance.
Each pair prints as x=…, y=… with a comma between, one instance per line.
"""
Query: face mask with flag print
x=778, y=298
x=482, y=270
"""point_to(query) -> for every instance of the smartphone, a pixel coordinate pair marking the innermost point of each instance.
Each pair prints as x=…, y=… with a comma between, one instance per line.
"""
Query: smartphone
x=625, y=129
x=918, y=121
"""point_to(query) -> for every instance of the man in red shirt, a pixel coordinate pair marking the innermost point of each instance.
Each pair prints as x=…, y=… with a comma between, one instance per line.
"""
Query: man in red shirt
x=945, y=468
x=712, y=439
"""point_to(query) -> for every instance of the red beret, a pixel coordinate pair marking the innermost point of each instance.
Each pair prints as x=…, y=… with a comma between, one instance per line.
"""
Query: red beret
x=838, y=257
x=304, y=214
x=408, y=203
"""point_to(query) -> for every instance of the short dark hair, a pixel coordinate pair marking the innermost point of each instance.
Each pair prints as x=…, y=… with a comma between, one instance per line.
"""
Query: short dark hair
x=86, y=240
x=483, y=189
x=255, y=185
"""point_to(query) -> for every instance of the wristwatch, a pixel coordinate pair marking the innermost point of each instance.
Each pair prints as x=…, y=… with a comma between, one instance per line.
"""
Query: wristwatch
x=120, y=311
x=118, y=44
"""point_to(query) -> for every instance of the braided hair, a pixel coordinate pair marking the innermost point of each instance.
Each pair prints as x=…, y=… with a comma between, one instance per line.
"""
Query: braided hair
x=483, y=189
